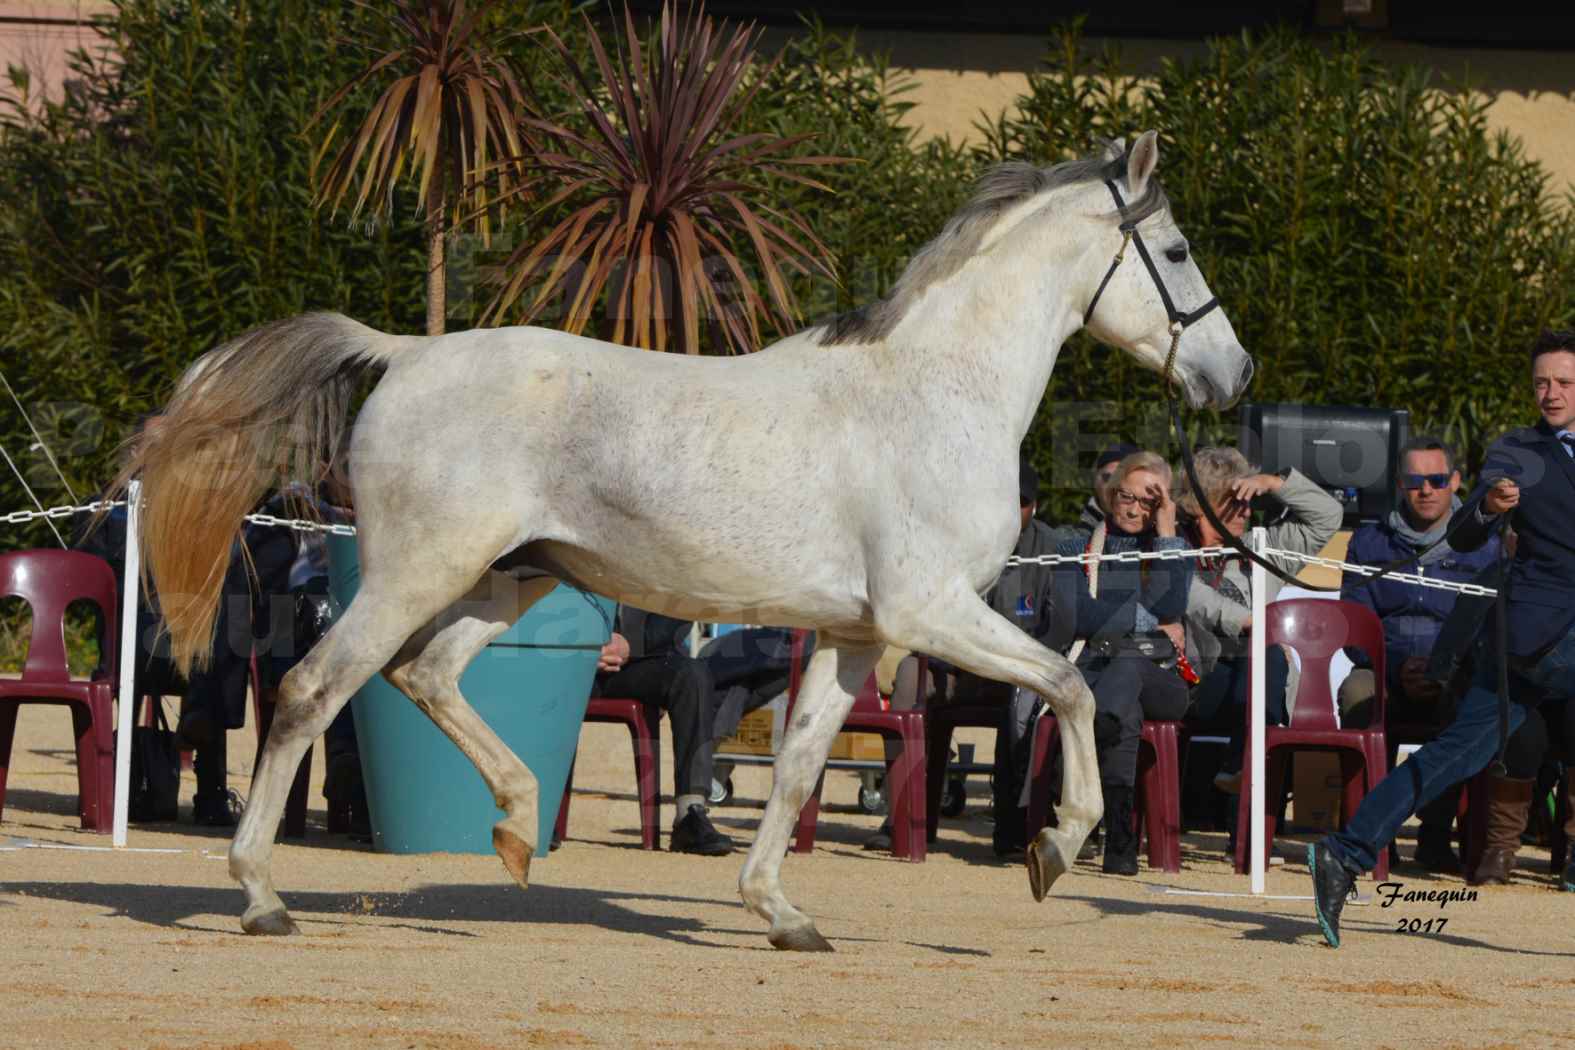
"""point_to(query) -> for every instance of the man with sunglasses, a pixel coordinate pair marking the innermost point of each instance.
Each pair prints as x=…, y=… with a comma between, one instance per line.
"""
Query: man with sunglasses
x=1528, y=477
x=1412, y=616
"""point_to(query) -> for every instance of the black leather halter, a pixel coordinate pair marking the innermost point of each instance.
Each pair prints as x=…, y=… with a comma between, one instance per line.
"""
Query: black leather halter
x=1179, y=321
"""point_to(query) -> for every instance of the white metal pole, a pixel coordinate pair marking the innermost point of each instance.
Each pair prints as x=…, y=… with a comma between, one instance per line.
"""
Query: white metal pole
x=1256, y=713
x=128, y=662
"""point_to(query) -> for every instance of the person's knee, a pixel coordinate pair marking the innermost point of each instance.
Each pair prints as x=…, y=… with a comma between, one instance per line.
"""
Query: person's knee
x=1356, y=697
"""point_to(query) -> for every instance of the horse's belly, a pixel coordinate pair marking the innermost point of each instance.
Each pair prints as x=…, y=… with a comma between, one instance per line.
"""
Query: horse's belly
x=712, y=591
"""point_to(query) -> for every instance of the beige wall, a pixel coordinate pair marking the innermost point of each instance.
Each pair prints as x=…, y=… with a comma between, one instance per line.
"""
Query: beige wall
x=957, y=77
x=38, y=35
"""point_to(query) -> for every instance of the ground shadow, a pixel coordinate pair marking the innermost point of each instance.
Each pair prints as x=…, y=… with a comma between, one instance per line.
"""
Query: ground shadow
x=432, y=907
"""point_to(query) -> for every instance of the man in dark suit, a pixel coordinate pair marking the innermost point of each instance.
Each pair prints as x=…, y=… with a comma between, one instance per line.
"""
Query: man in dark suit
x=1529, y=476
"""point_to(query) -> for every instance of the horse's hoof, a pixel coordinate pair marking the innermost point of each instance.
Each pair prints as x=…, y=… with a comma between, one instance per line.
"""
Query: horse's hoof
x=273, y=923
x=1046, y=863
x=515, y=853
x=800, y=939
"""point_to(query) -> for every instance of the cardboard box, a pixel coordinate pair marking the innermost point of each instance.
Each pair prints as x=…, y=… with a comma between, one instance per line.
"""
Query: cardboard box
x=760, y=731
x=1316, y=788
x=753, y=736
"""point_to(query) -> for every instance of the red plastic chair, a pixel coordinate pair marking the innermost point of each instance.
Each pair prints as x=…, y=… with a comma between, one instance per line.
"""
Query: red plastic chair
x=49, y=581
x=1318, y=629
x=1156, y=807
x=645, y=724
x=905, y=770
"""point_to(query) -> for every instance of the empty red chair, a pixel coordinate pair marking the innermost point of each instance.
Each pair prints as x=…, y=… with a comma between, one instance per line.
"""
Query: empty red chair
x=1317, y=629
x=905, y=770
x=49, y=581
x=1156, y=803
x=645, y=724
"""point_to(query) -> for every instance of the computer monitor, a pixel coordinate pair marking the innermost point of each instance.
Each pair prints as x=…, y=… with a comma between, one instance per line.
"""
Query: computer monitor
x=1353, y=453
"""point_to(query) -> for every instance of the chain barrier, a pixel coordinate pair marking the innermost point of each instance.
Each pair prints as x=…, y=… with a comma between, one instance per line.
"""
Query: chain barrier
x=22, y=517
x=1129, y=557
x=1473, y=589
x=301, y=524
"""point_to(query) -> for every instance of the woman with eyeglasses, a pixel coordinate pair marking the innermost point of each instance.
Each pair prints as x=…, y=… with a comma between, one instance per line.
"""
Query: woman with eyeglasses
x=1125, y=626
x=1302, y=518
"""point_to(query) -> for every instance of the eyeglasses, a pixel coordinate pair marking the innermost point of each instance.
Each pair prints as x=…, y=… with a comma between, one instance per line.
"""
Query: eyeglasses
x=1123, y=498
x=1412, y=482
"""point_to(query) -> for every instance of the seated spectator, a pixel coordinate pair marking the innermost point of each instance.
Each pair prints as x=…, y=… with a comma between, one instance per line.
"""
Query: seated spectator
x=1412, y=618
x=646, y=660
x=1219, y=605
x=1125, y=622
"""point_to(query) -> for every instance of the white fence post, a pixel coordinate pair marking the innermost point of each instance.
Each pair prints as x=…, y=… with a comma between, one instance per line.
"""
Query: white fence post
x=128, y=662
x=1256, y=714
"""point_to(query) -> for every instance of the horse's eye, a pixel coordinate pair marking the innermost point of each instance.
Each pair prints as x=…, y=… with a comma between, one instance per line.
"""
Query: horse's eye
x=1176, y=255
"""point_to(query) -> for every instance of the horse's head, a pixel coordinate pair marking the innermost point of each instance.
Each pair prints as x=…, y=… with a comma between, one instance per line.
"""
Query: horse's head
x=1145, y=291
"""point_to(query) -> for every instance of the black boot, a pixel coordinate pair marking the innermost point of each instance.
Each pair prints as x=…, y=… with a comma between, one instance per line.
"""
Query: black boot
x=1120, y=838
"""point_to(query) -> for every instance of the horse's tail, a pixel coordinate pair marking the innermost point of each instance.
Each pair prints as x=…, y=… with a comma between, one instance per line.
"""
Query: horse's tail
x=268, y=406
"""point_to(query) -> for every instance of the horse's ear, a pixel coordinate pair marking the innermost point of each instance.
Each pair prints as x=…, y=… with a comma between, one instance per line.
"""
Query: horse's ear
x=1115, y=149
x=1142, y=162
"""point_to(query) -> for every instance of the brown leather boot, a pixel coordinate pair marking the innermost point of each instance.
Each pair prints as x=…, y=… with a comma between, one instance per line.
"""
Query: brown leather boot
x=1509, y=803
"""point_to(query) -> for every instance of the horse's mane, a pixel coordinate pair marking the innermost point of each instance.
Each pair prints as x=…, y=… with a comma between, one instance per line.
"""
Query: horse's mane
x=999, y=189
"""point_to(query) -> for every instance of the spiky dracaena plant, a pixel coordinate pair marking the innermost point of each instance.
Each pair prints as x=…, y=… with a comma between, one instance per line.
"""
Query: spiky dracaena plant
x=451, y=111
x=656, y=190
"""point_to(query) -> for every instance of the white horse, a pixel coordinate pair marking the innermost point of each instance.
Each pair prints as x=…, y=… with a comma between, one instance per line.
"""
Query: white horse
x=859, y=478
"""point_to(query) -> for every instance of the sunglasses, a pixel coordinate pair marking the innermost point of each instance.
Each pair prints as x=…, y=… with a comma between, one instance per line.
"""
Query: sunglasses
x=1412, y=482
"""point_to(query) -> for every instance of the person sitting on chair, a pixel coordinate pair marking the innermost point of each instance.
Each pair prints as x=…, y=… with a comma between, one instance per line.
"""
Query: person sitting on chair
x=1126, y=622
x=1412, y=618
x=645, y=660
x=1219, y=606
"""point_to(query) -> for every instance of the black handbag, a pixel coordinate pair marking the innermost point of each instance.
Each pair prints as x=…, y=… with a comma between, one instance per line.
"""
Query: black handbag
x=155, y=772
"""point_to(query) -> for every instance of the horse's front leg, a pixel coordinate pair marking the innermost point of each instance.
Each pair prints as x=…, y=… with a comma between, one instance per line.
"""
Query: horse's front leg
x=837, y=671
x=959, y=627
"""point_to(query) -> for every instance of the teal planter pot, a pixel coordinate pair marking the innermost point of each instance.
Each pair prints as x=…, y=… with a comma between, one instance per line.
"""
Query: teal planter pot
x=530, y=685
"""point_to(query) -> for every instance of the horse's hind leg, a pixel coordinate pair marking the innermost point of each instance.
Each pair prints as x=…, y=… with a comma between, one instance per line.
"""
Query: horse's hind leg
x=362, y=641
x=428, y=669
x=957, y=626
x=837, y=671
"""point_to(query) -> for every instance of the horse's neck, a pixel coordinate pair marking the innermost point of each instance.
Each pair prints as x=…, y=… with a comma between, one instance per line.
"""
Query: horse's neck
x=987, y=341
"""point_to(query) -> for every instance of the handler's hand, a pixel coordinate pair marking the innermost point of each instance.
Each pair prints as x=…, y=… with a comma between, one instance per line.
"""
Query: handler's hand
x=614, y=654
x=1503, y=496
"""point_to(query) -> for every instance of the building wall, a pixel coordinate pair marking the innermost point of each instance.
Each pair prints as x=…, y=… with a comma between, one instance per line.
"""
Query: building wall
x=39, y=34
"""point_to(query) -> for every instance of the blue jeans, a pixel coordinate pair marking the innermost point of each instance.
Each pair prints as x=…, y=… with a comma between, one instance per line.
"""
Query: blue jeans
x=1462, y=750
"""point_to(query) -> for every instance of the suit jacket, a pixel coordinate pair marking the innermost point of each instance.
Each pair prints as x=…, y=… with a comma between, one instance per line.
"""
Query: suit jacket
x=1542, y=575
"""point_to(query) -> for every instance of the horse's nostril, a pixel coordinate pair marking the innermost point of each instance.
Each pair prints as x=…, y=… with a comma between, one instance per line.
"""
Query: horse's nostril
x=1246, y=375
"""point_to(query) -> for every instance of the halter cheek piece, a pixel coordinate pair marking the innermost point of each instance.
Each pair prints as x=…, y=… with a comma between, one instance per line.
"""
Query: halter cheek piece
x=1178, y=321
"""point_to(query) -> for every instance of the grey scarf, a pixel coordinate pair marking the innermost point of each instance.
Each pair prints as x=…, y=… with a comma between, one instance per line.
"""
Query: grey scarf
x=1405, y=530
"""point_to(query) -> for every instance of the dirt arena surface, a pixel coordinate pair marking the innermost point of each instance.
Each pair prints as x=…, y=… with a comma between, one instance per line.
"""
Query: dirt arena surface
x=615, y=947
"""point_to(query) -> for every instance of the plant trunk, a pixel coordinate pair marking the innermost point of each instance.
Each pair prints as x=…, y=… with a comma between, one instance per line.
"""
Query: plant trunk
x=437, y=285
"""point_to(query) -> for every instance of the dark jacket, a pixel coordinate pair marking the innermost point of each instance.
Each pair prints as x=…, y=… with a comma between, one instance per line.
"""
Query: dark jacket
x=1542, y=574
x=1159, y=586
x=1412, y=616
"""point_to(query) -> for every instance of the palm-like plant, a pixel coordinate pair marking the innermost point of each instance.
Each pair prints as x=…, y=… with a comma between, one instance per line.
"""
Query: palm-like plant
x=659, y=189
x=451, y=111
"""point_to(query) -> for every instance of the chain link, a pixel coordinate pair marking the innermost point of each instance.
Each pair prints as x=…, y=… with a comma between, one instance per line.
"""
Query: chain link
x=1473, y=589
x=1128, y=557
x=301, y=524
x=22, y=517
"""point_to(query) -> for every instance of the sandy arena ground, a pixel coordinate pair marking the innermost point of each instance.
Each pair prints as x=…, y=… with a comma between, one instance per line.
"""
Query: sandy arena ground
x=611, y=946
